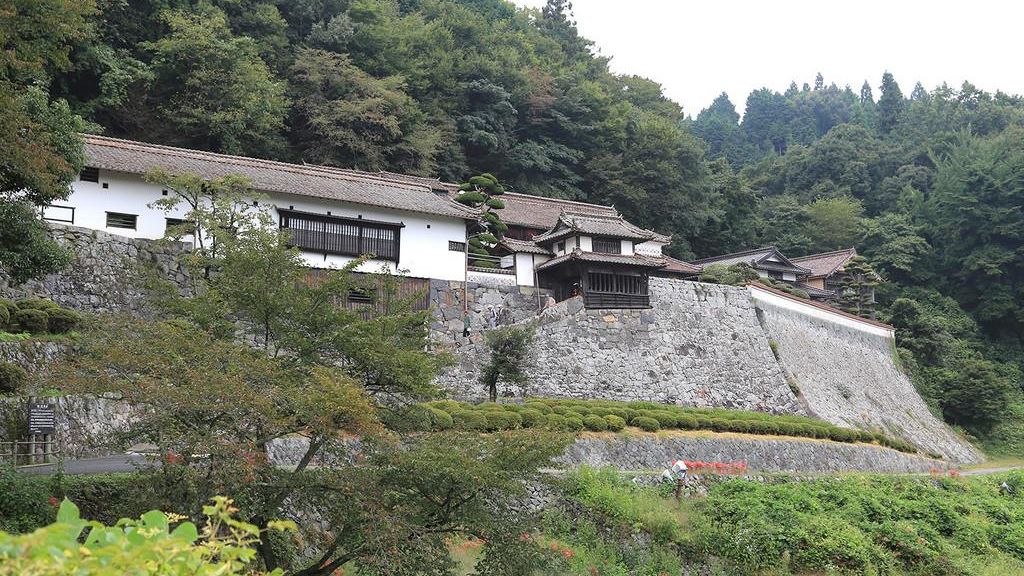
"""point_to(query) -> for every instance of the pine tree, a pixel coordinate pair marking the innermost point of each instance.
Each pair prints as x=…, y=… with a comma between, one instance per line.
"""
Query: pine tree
x=919, y=93
x=866, y=94
x=819, y=81
x=890, y=104
x=482, y=192
x=857, y=291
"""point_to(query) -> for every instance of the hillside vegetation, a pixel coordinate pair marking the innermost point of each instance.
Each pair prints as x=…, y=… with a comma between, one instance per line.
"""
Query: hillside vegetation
x=925, y=183
x=849, y=525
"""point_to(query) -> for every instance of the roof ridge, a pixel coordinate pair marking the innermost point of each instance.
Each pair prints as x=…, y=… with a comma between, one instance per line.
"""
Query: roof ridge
x=740, y=253
x=823, y=254
x=532, y=197
x=248, y=161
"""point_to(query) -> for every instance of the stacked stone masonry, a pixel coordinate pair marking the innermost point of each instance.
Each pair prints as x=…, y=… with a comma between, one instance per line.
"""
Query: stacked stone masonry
x=657, y=451
x=698, y=345
x=850, y=378
x=104, y=274
x=711, y=345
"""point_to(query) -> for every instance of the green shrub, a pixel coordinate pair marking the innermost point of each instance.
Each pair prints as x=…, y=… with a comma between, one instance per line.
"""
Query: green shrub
x=414, y=418
x=646, y=424
x=470, y=420
x=440, y=420
x=502, y=420
x=36, y=304
x=148, y=545
x=665, y=418
x=595, y=423
x=62, y=320
x=539, y=407
x=531, y=418
x=615, y=423
x=7, y=309
x=12, y=378
x=573, y=424
x=554, y=421
x=31, y=320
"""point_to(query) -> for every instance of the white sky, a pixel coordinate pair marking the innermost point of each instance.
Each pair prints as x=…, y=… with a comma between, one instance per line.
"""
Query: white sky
x=696, y=50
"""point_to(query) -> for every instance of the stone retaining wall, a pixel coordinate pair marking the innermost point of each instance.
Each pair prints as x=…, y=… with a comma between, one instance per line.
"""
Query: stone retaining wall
x=511, y=304
x=698, y=344
x=849, y=377
x=103, y=274
x=86, y=426
x=644, y=451
x=32, y=355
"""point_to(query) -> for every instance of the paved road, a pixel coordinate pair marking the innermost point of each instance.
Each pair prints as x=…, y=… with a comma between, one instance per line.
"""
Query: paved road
x=103, y=465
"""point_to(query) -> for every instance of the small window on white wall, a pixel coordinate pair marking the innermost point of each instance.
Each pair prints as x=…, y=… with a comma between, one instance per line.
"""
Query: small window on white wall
x=119, y=220
x=89, y=174
x=64, y=214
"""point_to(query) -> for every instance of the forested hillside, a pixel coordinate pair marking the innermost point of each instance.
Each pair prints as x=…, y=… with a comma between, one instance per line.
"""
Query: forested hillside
x=928, y=186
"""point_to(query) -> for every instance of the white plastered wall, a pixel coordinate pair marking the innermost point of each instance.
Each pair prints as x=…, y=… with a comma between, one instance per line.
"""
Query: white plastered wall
x=424, y=238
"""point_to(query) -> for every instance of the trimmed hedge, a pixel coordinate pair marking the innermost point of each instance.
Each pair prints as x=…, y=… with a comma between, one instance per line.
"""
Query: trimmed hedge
x=646, y=423
x=599, y=415
x=12, y=378
x=31, y=320
x=37, y=316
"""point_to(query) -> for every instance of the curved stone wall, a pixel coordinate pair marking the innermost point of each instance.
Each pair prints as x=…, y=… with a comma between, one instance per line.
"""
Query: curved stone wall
x=849, y=377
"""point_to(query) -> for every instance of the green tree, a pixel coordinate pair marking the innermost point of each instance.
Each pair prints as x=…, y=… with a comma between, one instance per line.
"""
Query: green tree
x=484, y=193
x=508, y=349
x=739, y=274
x=212, y=89
x=890, y=104
x=857, y=290
x=40, y=151
x=344, y=117
x=974, y=222
x=833, y=223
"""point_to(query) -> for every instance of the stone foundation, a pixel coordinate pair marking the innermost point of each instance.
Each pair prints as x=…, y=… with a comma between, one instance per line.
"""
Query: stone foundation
x=698, y=345
x=103, y=275
x=642, y=451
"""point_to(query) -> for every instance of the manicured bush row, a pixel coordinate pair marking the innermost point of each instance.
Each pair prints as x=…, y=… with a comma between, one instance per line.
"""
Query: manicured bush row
x=601, y=415
x=37, y=316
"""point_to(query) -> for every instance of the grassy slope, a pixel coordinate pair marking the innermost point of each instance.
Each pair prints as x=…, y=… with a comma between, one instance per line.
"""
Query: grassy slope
x=847, y=525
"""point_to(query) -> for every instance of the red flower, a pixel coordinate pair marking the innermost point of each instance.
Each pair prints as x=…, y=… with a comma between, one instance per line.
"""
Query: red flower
x=172, y=458
x=53, y=501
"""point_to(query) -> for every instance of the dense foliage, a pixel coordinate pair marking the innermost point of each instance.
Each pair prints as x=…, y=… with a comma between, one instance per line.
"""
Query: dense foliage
x=263, y=351
x=145, y=546
x=849, y=525
x=925, y=183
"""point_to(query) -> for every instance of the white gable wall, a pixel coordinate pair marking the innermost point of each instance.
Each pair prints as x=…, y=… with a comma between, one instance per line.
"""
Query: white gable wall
x=424, y=240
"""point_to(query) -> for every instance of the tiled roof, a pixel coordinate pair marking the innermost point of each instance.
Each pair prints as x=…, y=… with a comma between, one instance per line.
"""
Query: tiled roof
x=679, y=267
x=542, y=213
x=814, y=292
x=527, y=246
x=755, y=258
x=748, y=256
x=383, y=190
x=826, y=263
x=616, y=226
x=629, y=259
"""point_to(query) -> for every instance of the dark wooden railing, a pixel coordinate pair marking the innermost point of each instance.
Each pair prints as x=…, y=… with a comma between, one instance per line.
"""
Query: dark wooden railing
x=342, y=236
